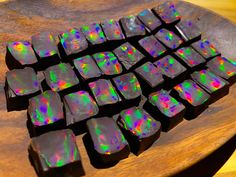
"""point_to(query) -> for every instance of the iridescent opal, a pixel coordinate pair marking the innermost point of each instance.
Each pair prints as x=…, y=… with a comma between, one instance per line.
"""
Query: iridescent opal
x=132, y=26
x=138, y=122
x=169, y=38
x=44, y=44
x=190, y=56
x=104, y=92
x=73, y=41
x=167, y=12
x=128, y=85
x=45, y=108
x=170, y=67
x=188, y=29
x=205, y=48
x=192, y=93
x=149, y=19
x=22, y=81
x=167, y=105
x=87, y=67
x=93, y=33
x=152, y=46
x=60, y=77
x=222, y=67
x=22, y=52
x=56, y=149
x=106, y=136
x=79, y=106
x=128, y=55
x=112, y=30
x=108, y=63
x=150, y=74
x=208, y=80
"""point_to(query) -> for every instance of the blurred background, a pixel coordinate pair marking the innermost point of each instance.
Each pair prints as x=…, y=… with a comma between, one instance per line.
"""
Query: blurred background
x=226, y=8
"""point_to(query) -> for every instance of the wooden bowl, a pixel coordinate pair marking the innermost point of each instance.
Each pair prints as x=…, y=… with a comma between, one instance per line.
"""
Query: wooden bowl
x=176, y=150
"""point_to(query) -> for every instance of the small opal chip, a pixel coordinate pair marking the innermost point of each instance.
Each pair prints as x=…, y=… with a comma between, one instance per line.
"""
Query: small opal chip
x=150, y=74
x=132, y=26
x=22, y=52
x=190, y=57
x=87, y=67
x=169, y=38
x=188, y=30
x=205, y=48
x=56, y=152
x=60, y=77
x=44, y=44
x=128, y=85
x=108, y=141
x=79, y=106
x=45, y=109
x=108, y=63
x=167, y=12
x=104, y=92
x=142, y=129
x=112, y=30
x=222, y=67
x=73, y=41
x=170, y=67
x=152, y=46
x=149, y=19
x=93, y=33
x=165, y=108
x=128, y=55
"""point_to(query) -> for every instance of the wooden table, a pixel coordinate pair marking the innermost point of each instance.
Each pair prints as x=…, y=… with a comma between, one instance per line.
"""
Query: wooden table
x=176, y=150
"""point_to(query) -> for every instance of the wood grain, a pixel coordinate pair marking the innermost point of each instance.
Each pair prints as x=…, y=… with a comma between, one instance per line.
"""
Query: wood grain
x=176, y=150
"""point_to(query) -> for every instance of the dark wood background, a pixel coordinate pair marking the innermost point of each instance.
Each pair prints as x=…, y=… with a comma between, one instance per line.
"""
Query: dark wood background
x=176, y=150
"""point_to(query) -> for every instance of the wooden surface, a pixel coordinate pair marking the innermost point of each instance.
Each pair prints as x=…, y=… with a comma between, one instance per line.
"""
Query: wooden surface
x=180, y=148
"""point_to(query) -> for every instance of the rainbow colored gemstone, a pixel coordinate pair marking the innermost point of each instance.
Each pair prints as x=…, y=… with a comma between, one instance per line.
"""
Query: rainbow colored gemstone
x=60, y=77
x=138, y=122
x=169, y=38
x=208, y=80
x=222, y=67
x=128, y=85
x=205, y=48
x=150, y=74
x=170, y=67
x=22, y=52
x=106, y=136
x=93, y=33
x=79, y=106
x=112, y=30
x=149, y=19
x=108, y=63
x=167, y=105
x=45, y=108
x=55, y=149
x=231, y=61
x=132, y=26
x=188, y=29
x=152, y=46
x=44, y=44
x=128, y=55
x=22, y=81
x=190, y=56
x=73, y=41
x=104, y=92
x=192, y=93
x=167, y=12
x=87, y=67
